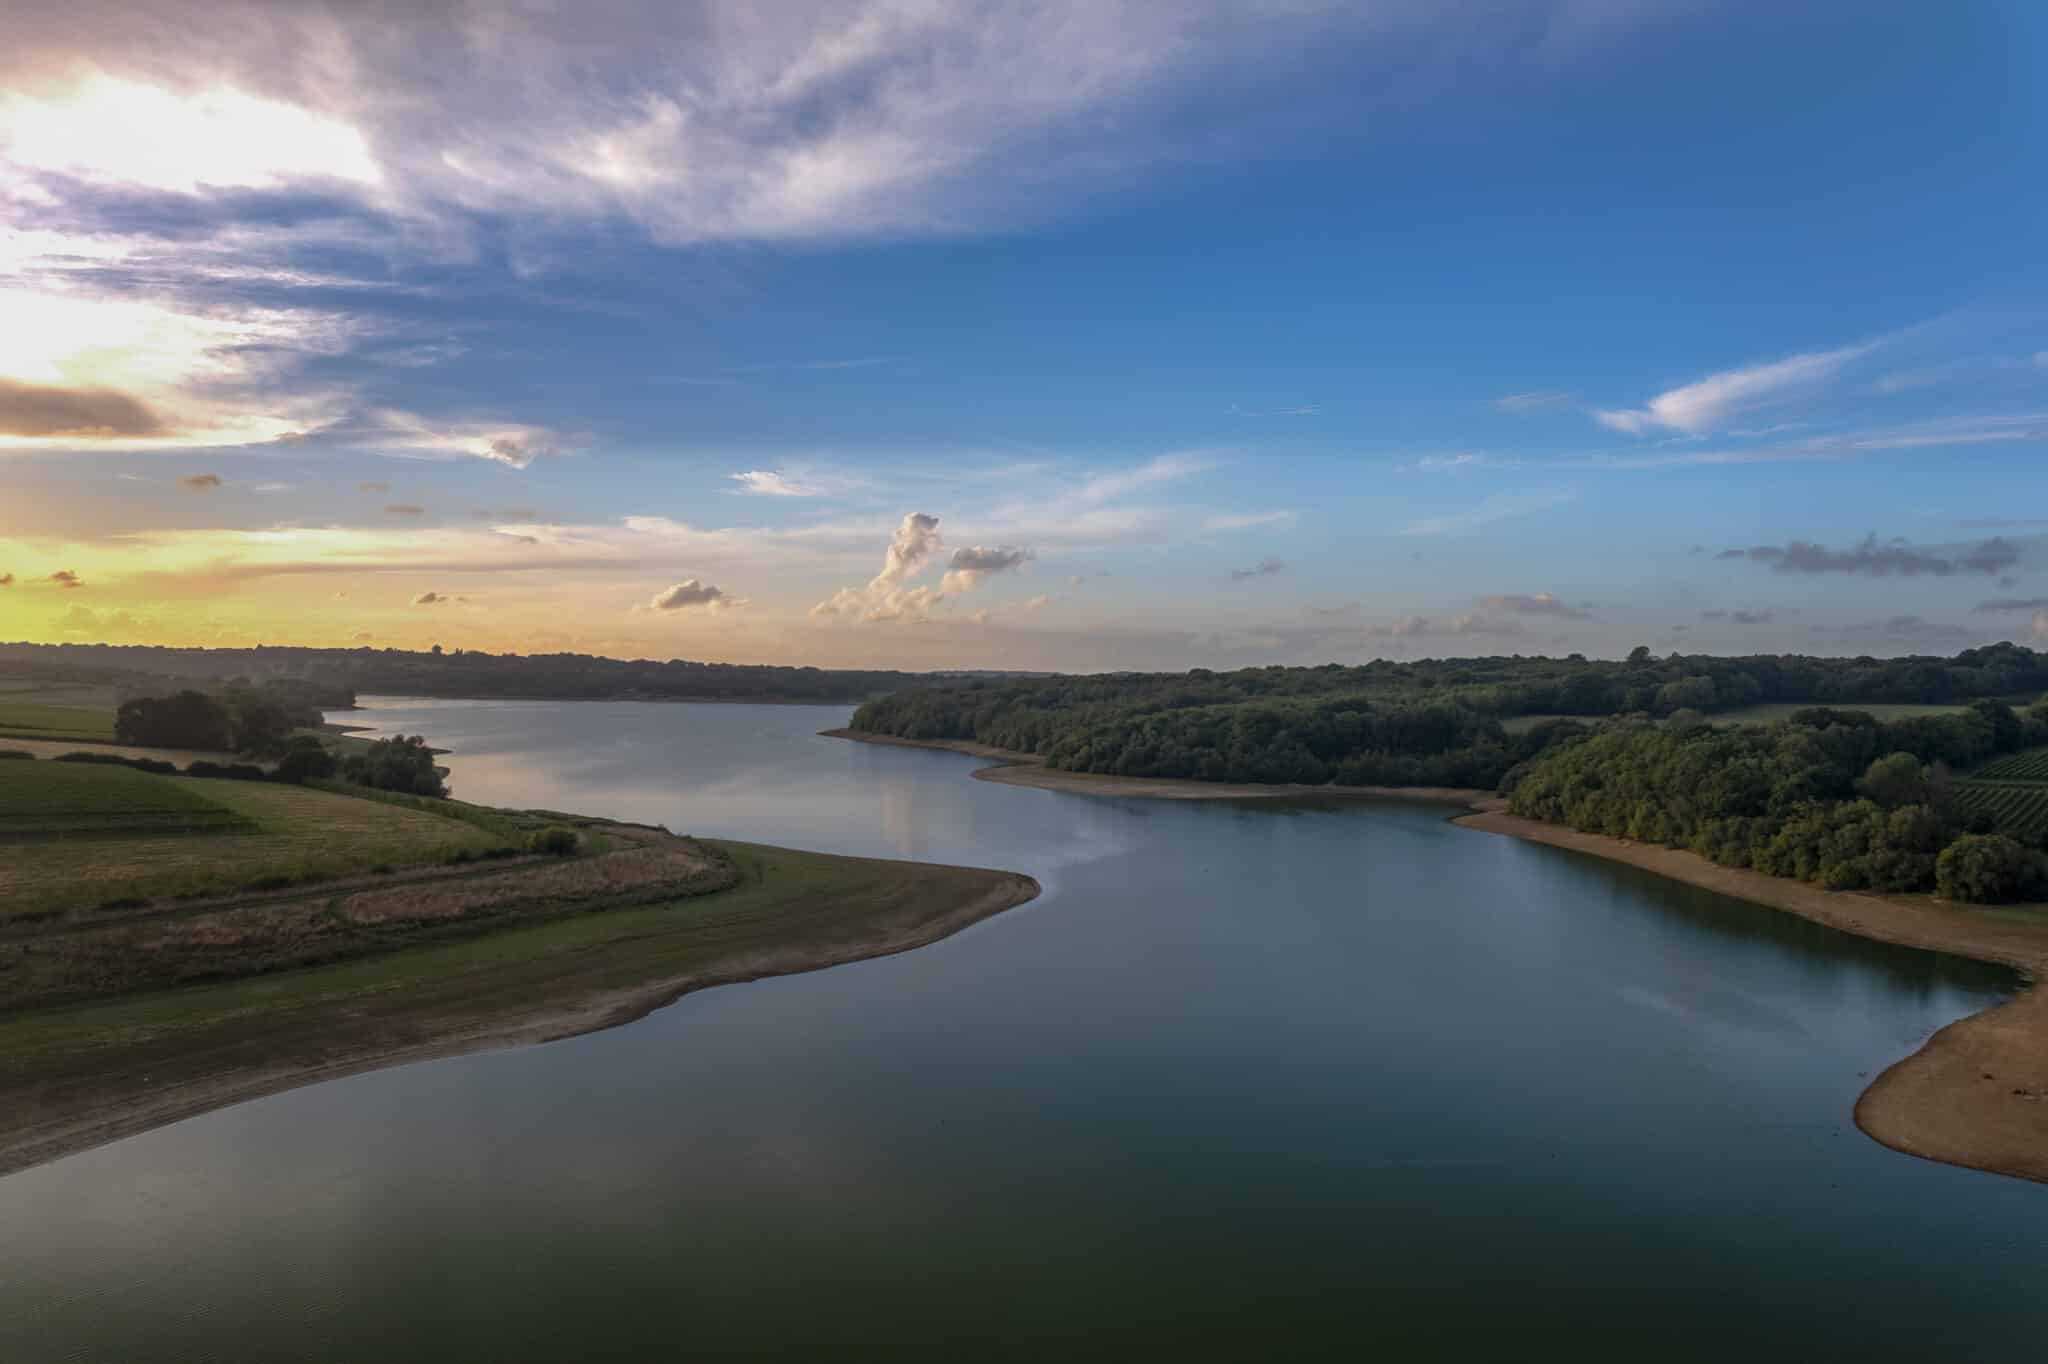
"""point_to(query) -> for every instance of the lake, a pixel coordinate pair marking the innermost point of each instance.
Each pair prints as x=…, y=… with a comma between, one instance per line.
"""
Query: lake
x=1247, y=1081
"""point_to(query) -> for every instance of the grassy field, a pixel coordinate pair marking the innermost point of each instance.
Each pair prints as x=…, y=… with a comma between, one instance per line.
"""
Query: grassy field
x=39, y=721
x=69, y=800
x=293, y=835
x=78, y=1075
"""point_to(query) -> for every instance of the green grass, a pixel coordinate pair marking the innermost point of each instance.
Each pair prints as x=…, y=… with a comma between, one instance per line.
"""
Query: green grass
x=2030, y=765
x=35, y=720
x=96, y=1068
x=295, y=835
x=63, y=800
x=2017, y=808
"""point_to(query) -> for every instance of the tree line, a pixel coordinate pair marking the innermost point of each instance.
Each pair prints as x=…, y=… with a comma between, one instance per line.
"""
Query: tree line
x=1829, y=796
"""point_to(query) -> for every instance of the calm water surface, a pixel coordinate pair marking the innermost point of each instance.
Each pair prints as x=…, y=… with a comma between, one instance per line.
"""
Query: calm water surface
x=1245, y=1083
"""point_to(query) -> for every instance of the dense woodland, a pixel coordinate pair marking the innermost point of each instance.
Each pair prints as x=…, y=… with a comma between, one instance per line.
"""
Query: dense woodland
x=341, y=673
x=1435, y=722
x=1831, y=795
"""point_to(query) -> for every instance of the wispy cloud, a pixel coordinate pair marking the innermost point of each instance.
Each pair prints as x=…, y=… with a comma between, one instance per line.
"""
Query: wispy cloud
x=1700, y=407
x=1264, y=568
x=1526, y=404
x=1245, y=520
x=1501, y=507
x=1534, y=604
x=1872, y=558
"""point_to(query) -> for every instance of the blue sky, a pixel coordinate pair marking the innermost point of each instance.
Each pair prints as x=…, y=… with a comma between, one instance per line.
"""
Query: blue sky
x=1065, y=336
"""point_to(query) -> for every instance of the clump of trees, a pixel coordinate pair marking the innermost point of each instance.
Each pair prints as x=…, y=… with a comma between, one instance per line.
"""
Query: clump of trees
x=1830, y=797
x=400, y=763
x=554, y=841
x=240, y=718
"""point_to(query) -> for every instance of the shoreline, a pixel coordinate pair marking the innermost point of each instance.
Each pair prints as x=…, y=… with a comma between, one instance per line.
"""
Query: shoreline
x=566, y=987
x=1974, y=1095
x=1028, y=769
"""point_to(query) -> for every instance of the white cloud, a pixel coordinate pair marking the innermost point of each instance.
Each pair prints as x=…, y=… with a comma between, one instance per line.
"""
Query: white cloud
x=115, y=130
x=392, y=431
x=692, y=594
x=1524, y=404
x=1246, y=520
x=1705, y=405
x=1485, y=513
x=768, y=483
x=887, y=597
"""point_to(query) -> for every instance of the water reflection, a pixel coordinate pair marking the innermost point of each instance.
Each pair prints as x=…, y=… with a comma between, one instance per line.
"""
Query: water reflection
x=1246, y=1081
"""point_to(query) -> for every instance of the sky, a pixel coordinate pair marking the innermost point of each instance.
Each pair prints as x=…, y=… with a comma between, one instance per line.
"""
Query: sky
x=1076, y=336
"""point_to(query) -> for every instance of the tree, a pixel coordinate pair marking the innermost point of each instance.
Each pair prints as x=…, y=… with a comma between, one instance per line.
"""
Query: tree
x=304, y=758
x=189, y=719
x=1894, y=780
x=397, y=764
x=1986, y=869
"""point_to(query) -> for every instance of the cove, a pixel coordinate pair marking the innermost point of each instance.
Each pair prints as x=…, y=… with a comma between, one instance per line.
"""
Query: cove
x=1247, y=1081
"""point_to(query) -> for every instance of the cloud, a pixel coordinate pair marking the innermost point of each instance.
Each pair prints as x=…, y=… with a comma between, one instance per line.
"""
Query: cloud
x=404, y=509
x=1706, y=404
x=430, y=599
x=1534, y=604
x=1500, y=507
x=1742, y=617
x=1037, y=603
x=42, y=410
x=1541, y=400
x=200, y=483
x=1264, y=568
x=66, y=578
x=1874, y=559
x=1463, y=460
x=394, y=431
x=1105, y=487
x=886, y=597
x=969, y=566
x=373, y=486
x=1245, y=520
x=689, y=594
x=2013, y=604
x=767, y=483
x=1422, y=627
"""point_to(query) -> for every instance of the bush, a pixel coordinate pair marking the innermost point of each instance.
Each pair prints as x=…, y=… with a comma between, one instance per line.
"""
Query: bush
x=16, y=755
x=305, y=758
x=554, y=841
x=1987, y=869
x=159, y=767
x=398, y=764
x=226, y=771
x=189, y=719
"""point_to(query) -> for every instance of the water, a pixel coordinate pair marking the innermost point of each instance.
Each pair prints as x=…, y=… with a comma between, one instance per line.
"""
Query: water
x=1246, y=1082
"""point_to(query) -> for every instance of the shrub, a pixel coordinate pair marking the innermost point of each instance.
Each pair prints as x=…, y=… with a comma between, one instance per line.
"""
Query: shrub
x=159, y=767
x=16, y=755
x=399, y=764
x=226, y=771
x=1987, y=869
x=554, y=841
x=304, y=758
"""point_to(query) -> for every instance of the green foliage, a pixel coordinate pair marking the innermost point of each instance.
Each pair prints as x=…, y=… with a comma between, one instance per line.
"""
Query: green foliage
x=155, y=765
x=398, y=764
x=1829, y=797
x=306, y=758
x=1988, y=869
x=186, y=719
x=554, y=841
x=1894, y=780
x=16, y=755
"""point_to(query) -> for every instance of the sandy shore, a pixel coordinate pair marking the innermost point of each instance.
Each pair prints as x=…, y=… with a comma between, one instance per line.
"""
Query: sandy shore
x=1975, y=1095
x=1028, y=769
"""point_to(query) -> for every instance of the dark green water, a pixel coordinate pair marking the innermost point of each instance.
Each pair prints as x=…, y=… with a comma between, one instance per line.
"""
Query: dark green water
x=1246, y=1083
